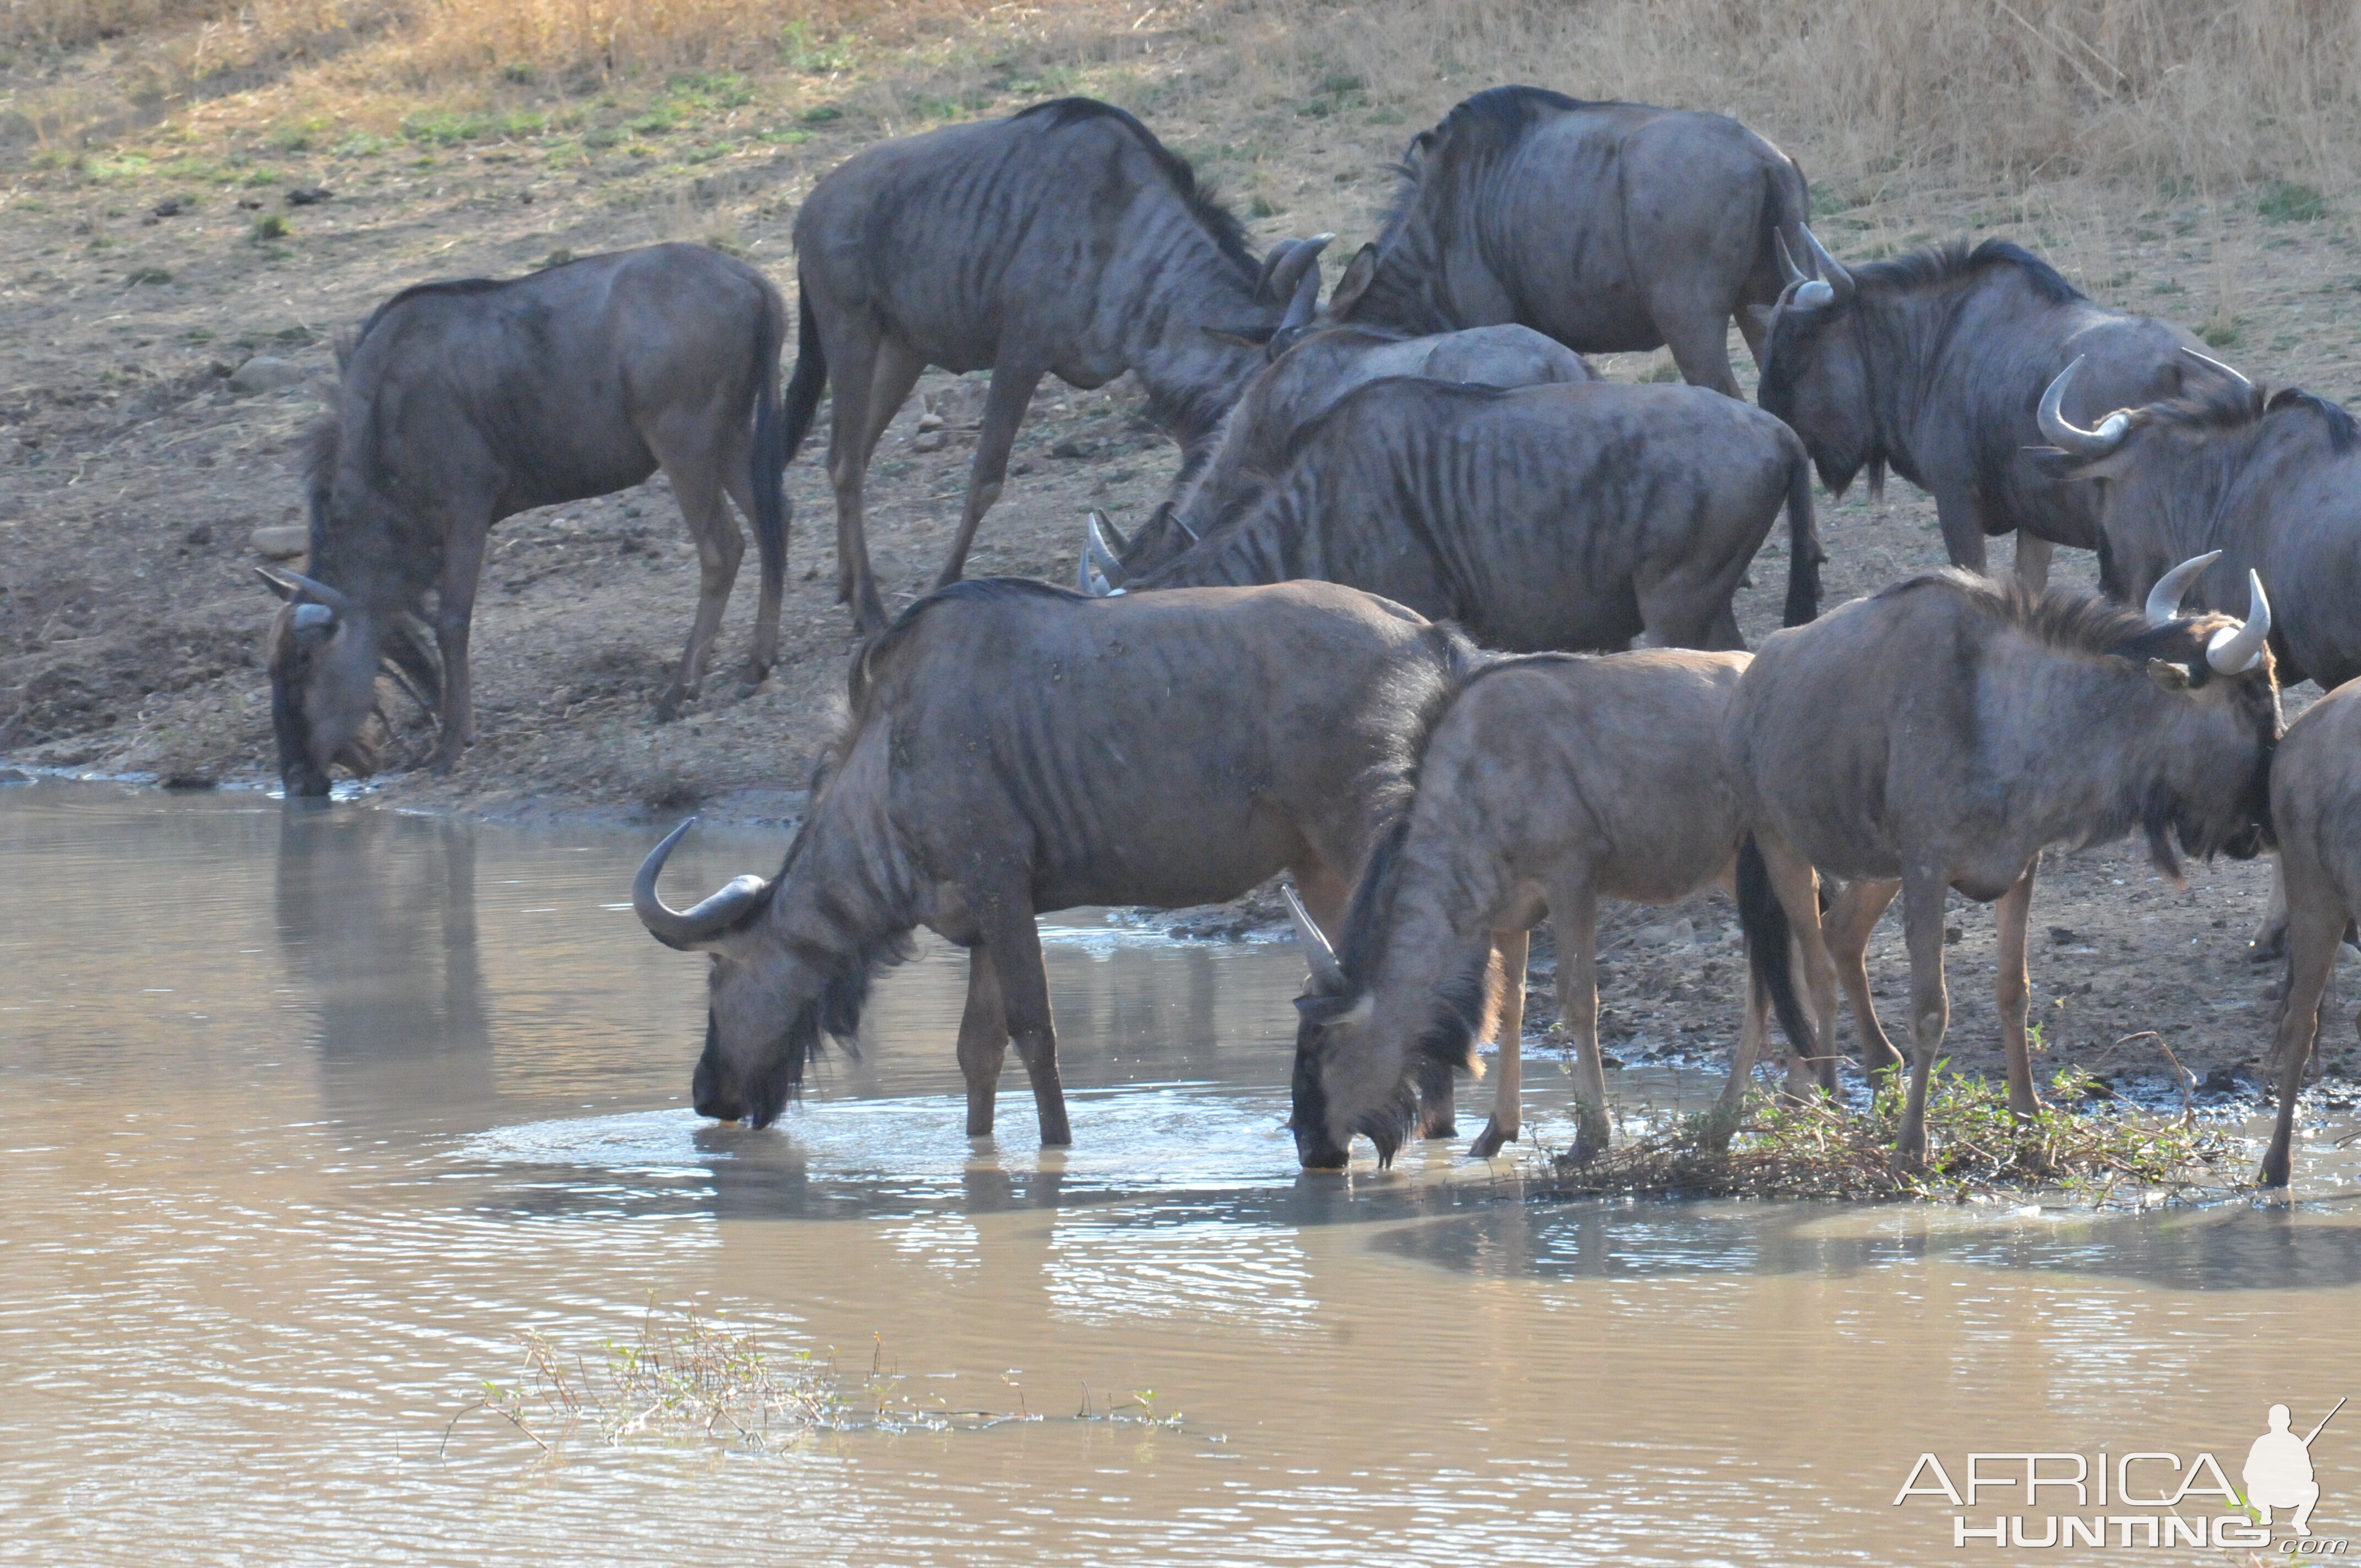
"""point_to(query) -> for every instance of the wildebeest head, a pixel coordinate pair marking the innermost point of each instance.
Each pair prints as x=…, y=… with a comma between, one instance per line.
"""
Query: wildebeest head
x=1346, y=1082
x=1814, y=375
x=2214, y=794
x=776, y=989
x=323, y=654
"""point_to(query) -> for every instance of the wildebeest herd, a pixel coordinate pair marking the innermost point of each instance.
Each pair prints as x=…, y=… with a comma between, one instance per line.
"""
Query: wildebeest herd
x=1379, y=636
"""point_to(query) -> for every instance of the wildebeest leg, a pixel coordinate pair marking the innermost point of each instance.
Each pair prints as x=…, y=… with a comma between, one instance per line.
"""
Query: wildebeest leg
x=1725, y=637
x=697, y=485
x=1699, y=339
x=2033, y=554
x=1849, y=923
x=2315, y=927
x=1015, y=951
x=2015, y=988
x=1798, y=892
x=1004, y=410
x=2269, y=941
x=454, y=611
x=1511, y=951
x=871, y=387
x=1931, y=1008
x=1573, y=916
x=737, y=478
x=1963, y=529
x=1689, y=607
x=1753, y=1031
x=982, y=1040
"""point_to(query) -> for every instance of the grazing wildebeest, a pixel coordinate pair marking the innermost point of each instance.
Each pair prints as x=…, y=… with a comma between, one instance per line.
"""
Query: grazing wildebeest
x=1014, y=749
x=1933, y=363
x=1546, y=518
x=2270, y=484
x=1065, y=239
x=1609, y=227
x=1305, y=378
x=461, y=404
x=1947, y=730
x=1549, y=781
x=2316, y=810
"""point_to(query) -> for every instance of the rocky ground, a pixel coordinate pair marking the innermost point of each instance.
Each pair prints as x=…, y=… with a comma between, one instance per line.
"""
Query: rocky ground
x=166, y=312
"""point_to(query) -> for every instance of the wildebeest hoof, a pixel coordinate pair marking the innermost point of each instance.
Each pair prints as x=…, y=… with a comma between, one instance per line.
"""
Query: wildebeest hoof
x=668, y=705
x=2268, y=947
x=442, y=762
x=1489, y=1141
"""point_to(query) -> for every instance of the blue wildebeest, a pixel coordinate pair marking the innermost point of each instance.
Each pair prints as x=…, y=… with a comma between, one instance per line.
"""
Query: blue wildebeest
x=2267, y=483
x=2316, y=811
x=1307, y=376
x=1548, y=782
x=1063, y=240
x=1013, y=749
x=1934, y=363
x=1943, y=733
x=461, y=404
x=1561, y=517
x=1609, y=226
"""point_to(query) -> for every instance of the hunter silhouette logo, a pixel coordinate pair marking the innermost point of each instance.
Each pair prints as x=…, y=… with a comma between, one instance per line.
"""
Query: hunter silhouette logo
x=2147, y=1498
x=2278, y=1470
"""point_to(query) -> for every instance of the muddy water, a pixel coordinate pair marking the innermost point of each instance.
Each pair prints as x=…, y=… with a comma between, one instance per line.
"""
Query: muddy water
x=307, y=1116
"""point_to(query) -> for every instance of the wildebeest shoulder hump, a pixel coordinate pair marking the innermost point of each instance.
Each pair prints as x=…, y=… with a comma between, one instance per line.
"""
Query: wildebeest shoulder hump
x=1204, y=203
x=2088, y=624
x=441, y=286
x=1941, y=263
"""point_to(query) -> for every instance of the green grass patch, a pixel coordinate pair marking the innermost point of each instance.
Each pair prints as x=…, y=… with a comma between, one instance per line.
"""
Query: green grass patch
x=269, y=226
x=2285, y=201
x=445, y=127
x=2081, y=1143
x=138, y=275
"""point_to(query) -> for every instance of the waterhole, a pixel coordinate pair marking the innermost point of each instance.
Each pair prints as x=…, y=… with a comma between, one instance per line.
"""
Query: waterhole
x=310, y=1115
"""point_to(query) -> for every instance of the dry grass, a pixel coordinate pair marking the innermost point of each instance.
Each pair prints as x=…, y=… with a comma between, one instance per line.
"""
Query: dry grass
x=1950, y=92
x=2079, y=1145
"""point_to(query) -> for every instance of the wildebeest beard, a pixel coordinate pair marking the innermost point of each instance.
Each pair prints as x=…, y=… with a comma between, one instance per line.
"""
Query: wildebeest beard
x=832, y=1012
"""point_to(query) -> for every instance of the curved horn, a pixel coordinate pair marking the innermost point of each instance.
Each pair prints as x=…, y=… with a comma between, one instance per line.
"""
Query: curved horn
x=2069, y=437
x=1789, y=273
x=2213, y=364
x=1107, y=527
x=319, y=592
x=1327, y=974
x=1305, y=257
x=2234, y=652
x=2164, y=599
x=1303, y=307
x=1839, y=281
x=708, y=920
x=1096, y=551
x=1273, y=259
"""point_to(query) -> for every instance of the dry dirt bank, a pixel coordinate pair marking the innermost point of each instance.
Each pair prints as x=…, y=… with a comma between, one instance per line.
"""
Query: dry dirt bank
x=133, y=472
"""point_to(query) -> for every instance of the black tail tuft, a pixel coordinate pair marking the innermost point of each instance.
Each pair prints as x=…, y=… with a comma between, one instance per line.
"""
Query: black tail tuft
x=1804, y=551
x=810, y=377
x=1762, y=920
x=770, y=453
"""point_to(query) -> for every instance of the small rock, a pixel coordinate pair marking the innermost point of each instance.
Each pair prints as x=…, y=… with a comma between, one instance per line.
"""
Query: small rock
x=930, y=421
x=264, y=374
x=1953, y=935
x=251, y=204
x=1020, y=466
x=280, y=543
x=201, y=534
x=1668, y=934
x=1074, y=447
x=14, y=776
x=189, y=778
x=2064, y=935
x=170, y=207
x=308, y=195
x=929, y=439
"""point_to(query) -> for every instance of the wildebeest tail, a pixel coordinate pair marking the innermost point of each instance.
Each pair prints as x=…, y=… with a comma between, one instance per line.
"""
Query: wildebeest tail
x=1786, y=208
x=811, y=378
x=1762, y=920
x=771, y=450
x=1804, y=551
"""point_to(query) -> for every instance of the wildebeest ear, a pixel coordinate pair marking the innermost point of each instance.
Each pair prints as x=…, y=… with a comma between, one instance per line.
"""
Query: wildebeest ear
x=278, y=583
x=1249, y=339
x=2172, y=677
x=1359, y=273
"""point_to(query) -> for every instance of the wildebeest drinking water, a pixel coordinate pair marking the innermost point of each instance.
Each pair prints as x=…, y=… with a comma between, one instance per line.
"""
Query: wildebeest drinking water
x=1014, y=749
x=2316, y=809
x=1065, y=239
x=1560, y=517
x=1609, y=227
x=1934, y=363
x=462, y=403
x=1947, y=730
x=1548, y=782
x=1304, y=379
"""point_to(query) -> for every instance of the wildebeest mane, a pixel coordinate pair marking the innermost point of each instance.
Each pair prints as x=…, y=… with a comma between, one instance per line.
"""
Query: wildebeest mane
x=2223, y=406
x=1204, y=203
x=1488, y=122
x=439, y=286
x=319, y=443
x=2078, y=622
x=1954, y=259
